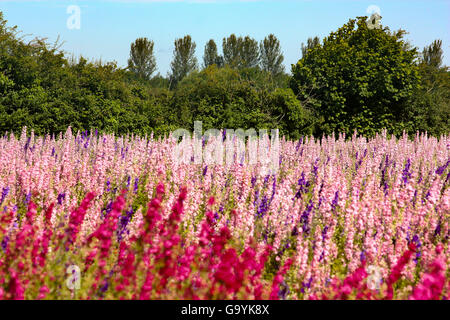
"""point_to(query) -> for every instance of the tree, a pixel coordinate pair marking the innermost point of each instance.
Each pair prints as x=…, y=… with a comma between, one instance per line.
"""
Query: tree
x=271, y=56
x=432, y=54
x=231, y=47
x=311, y=43
x=359, y=78
x=184, y=60
x=210, y=56
x=249, y=53
x=429, y=109
x=142, y=60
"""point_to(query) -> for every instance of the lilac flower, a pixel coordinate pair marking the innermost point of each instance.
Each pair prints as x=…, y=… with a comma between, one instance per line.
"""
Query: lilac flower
x=28, y=197
x=321, y=255
x=61, y=197
x=136, y=184
x=205, y=170
x=304, y=185
x=362, y=256
x=334, y=203
x=406, y=174
x=266, y=179
x=27, y=144
x=305, y=216
x=107, y=210
x=283, y=291
x=4, y=243
x=256, y=197
x=262, y=208
x=440, y=170
x=123, y=223
x=437, y=231
x=108, y=186
x=324, y=233
x=315, y=167
x=4, y=194
x=253, y=181
x=104, y=287
x=418, y=244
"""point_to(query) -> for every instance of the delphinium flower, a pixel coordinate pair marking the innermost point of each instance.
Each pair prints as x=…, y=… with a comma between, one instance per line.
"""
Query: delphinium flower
x=397, y=270
x=432, y=283
x=440, y=170
x=105, y=231
x=77, y=217
x=4, y=194
x=406, y=174
x=278, y=279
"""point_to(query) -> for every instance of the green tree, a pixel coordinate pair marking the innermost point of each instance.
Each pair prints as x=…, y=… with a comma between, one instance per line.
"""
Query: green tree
x=211, y=56
x=429, y=109
x=249, y=53
x=271, y=55
x=432, y=55
x=360, y=78
x=231, y=47
x=184, y=60
x=142, y=60
x=310, y=44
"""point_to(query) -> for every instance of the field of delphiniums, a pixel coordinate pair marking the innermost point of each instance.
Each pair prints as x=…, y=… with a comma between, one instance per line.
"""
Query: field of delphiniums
x=89, y=216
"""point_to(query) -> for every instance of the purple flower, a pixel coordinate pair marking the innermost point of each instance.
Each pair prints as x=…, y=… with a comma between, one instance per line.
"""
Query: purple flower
x=27, y=144
x=4, y=243
x=283, y=290
x=334, y=203
x=253, y=181
x=262, y=208
x=305, y=216
x=406, y=174
x=123, y=223
x=4, y=194
x=28, y=197
x=324, y=233
x=437, y=231
x=136, y=181
x=107, y=210
x=205, y=170
x=315, y=167
x=440, y=170
x=304, y=185
x=61, y=197
x=104, y=287
x=418, y=244
x=362, y=256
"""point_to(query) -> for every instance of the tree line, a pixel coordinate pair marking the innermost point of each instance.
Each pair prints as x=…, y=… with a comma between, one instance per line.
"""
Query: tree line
x=356, y=78
x=237, y=53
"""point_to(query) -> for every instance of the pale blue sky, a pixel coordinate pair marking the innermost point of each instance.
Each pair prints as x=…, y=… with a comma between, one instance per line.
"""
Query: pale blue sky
x=109, y=26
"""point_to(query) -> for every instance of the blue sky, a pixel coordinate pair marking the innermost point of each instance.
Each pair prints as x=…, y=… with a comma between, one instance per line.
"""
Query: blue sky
x=109, y=26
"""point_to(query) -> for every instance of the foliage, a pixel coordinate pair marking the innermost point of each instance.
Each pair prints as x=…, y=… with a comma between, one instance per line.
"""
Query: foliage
x=142, y=60
x=358, y=79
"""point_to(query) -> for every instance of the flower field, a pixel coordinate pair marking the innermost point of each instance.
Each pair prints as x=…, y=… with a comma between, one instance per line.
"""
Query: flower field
x=89, y=216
